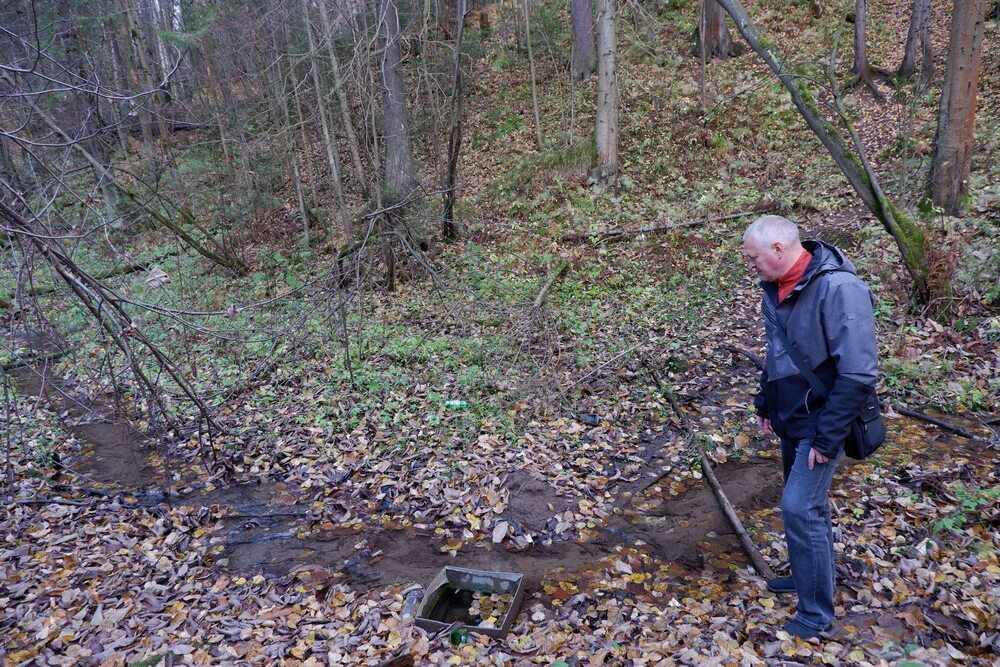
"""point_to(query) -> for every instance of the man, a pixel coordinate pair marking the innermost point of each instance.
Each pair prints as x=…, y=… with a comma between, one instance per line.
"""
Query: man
x=812, y=291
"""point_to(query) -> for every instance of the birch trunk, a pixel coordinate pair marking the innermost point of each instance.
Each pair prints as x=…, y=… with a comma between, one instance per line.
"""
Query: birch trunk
x=606, y=130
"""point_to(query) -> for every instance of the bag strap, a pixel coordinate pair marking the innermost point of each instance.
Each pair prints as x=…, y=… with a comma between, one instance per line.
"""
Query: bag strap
x=817, y=386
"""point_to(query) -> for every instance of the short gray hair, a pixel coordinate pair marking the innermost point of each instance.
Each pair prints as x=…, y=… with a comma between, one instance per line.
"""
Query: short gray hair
x=769, y=229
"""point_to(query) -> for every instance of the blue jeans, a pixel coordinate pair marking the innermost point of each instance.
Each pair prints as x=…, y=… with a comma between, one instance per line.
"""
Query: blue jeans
x=805, y=510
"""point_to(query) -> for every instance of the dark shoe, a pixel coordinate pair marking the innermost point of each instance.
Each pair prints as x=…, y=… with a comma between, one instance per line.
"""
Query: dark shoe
x=797, y=629
x=781, y=585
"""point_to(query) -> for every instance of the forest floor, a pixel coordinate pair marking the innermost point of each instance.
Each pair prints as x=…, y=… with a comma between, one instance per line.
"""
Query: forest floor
x=472, y=428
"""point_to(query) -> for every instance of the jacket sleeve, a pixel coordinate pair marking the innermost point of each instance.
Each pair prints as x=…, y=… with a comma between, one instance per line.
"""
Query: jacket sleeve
x=849, y=327
x=760, y=401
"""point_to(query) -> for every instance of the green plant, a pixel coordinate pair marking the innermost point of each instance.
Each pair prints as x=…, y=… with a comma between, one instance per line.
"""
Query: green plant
x=970, y=502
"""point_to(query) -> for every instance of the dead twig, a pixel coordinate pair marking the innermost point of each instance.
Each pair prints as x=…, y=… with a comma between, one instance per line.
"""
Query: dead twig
x=598, y=369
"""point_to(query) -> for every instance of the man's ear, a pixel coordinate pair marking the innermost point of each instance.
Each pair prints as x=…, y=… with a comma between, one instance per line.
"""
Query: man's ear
x=777, y=247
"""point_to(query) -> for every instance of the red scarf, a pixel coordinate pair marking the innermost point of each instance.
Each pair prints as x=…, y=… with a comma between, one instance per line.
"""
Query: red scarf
x=787, y=282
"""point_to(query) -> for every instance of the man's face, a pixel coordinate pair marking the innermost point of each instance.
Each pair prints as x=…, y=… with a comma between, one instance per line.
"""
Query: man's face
x=766, y=260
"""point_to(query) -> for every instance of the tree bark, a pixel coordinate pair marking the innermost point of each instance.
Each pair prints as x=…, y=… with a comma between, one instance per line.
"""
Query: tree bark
x=346, y=120
x=584, y=59
x=949, y=175
x=862, y=68
x=531, y=68
x=919, y=22
x=909, y=237
x=717, y=41
x=606, y=130
x=329, y=138
x=450, y=229
x=399, y=181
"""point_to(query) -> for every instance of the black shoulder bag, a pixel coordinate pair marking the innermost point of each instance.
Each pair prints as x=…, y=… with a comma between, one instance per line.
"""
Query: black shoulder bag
x=867, y=432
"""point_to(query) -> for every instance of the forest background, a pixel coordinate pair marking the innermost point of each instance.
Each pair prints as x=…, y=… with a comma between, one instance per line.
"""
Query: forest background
x=302, y=301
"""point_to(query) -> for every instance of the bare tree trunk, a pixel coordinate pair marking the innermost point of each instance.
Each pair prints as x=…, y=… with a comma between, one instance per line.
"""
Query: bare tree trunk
x=949, y=175
x=133, y=40
x=702, y=59
x=399, y=182
x=329, y=138
x=584, y=60
x=346, y=120
x=399, y=175
x=278, y=83
x=909, y=238
x=531, y=68
x=862, y=68
x=717, y=41
x=450, y=229
x=148, y=78
x=606, y=130
x=919, y=23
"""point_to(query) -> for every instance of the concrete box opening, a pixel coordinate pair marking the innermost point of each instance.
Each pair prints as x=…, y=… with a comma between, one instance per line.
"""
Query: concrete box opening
x=482, y=601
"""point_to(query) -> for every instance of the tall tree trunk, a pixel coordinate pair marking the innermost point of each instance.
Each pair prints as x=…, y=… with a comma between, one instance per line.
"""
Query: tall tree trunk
x=534, y=83
x=862, y=68
x=399, y=179
x=147, y=76
x=278, y=78
x=717, y=41
x=133, y=43
x=329, y=138
x=919, y=22
x=450, y=229
x=909, y=237
x=346, y=120
x=584, y=59
x=949, y=175
x=606, y=130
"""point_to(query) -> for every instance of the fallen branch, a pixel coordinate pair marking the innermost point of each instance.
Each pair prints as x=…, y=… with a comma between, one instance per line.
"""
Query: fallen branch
x=51, y=501
x=757, y=361
x=553, y=276
x=957, y=430
x=763, y=569
x=21, y=362
x=598, y=369
x=609, y=234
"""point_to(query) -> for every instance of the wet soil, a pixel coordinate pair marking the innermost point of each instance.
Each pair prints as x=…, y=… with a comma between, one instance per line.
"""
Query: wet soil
x=270, y=528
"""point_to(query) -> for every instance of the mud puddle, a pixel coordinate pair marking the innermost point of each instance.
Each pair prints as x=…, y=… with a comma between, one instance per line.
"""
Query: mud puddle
x=271, y=528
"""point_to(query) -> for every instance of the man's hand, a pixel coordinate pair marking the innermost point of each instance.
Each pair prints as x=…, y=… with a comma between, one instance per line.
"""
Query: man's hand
x=815, y=456
x=765, y=426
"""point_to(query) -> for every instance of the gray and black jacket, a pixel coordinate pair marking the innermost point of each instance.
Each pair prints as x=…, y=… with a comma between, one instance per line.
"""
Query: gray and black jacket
x=829, y=319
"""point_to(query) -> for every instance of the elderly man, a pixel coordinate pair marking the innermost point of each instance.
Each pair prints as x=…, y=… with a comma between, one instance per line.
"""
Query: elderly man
x=815, y=304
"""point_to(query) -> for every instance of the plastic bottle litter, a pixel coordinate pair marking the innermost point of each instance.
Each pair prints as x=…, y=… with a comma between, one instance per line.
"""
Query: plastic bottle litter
x=456, y=404
x=459, y=636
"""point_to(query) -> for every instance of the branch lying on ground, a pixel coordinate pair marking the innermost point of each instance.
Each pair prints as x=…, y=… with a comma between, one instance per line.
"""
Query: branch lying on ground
x=757, y=361
x=957, y=430
x=609, y=234
x=21, y=362
x=763, y=569
x=555, y=275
